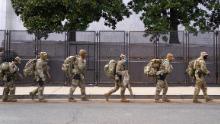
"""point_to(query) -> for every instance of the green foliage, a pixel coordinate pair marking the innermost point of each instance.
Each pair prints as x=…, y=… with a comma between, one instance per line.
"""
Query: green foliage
x=166, y=15
x=42, y=17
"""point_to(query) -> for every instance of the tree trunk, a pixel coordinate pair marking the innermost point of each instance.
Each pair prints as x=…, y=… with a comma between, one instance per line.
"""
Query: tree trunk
x=174, y=38
x=71, y=36
x=174, y=26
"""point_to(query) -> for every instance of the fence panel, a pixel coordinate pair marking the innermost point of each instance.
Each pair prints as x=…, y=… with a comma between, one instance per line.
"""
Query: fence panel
x=2, y=38
x=218, y=56
x=174, y=42
x=111, y=45
x=204, y=42
x=86, y=40
x=141, y=50
x=54, y=45
x=24, y=45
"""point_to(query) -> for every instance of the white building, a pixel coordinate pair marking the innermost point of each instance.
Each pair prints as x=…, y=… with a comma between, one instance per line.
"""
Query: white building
x=9, y=20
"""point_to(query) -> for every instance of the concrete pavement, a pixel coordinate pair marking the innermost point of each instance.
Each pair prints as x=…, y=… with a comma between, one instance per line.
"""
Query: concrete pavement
x=97, y=112
x=97, y=92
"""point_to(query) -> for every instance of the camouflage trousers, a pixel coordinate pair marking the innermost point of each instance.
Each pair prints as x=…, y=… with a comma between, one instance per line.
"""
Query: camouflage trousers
x=74, y=85
x=39, y=90
x=9, y=91
x=161, y=86
x=200, y=85
x=118, y=84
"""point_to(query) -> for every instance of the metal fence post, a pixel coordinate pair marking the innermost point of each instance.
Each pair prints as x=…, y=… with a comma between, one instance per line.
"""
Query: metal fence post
x=5, y=39
x=96, y=58
x=187, y=53
x=216, y=56
x=99, y=57
x=128, y=49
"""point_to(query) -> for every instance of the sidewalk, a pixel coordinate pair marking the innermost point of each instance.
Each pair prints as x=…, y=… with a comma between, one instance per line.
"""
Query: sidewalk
x=97, y=92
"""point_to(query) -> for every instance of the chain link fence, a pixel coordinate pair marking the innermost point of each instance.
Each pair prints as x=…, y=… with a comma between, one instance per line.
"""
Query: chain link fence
x=54, y=45
x=87, y=41
x=204, y=42
x=24, y=45
x=102, y=46
x=111, y=44
x=2, y=38
x=141, y=50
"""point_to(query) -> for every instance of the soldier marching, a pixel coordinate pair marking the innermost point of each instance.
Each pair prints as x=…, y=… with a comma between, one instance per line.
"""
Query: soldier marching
x=75, y=69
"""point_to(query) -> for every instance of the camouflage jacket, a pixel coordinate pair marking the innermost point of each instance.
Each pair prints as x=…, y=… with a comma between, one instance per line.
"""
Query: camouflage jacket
x=79, y=66
x=42, y=70
x=11, y=73
x=200, y=68
x=120, y=66
x=165, y=68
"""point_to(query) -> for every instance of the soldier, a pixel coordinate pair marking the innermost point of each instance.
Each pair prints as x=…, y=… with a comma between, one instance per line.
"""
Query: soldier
x=10, y=73
x=120, y=68
x=41, y=76
x=165, y=69
x=200, y=72
x=78, y=76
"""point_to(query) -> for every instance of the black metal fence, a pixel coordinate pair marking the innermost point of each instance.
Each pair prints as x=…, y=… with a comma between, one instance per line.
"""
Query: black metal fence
x=102, y=46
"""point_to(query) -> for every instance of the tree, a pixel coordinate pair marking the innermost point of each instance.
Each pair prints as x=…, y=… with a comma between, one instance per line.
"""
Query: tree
x=166, y=15
x=42, y=17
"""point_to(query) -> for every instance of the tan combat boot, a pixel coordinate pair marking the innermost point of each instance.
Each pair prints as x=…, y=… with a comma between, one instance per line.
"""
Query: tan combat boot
x=157, y=101
x=208, y=99
x=124, y=100
x=106, y=97
x=84, y=99
x=4, y=99
x=42, y=100
x=12, y=100
x=32, y=95
x=196, y=101
x=166, y=100
x=72, y=100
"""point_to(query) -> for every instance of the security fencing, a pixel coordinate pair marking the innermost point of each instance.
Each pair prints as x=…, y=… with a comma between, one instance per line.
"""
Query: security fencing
x=102, y=46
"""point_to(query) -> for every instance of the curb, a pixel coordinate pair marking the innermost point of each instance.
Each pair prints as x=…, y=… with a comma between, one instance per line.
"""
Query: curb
x=52, y=96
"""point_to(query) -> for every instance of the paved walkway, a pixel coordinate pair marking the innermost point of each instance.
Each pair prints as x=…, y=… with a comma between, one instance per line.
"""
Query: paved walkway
x=63, y=90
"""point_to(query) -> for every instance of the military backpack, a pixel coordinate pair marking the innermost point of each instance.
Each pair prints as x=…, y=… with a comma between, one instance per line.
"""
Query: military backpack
x=191, y=69
x=152, y=67
x=30, y=68
x=68, y=65
x=4, y=68
x=110, y=69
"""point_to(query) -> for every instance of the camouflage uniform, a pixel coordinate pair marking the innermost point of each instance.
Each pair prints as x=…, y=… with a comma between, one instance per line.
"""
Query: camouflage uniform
x=200, y=72
x=78, y=78
x=41, y=76
x=162, y=85
x=9, y=77
x=120, y=68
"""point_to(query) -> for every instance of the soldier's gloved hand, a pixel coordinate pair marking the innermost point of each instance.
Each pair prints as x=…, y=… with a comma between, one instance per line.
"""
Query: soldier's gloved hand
x=116, y=77
x=159, y=73
x=208, y=73
x=82, y=76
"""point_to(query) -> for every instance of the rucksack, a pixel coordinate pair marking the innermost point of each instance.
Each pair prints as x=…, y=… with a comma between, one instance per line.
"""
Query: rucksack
x=191, y=69
x=110, y=69
x=4, y=67
x=152, y=67
x=68, y=65
x=30, y=67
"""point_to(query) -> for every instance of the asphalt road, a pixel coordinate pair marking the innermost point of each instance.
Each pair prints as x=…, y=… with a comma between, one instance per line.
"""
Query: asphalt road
x=114, y=112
